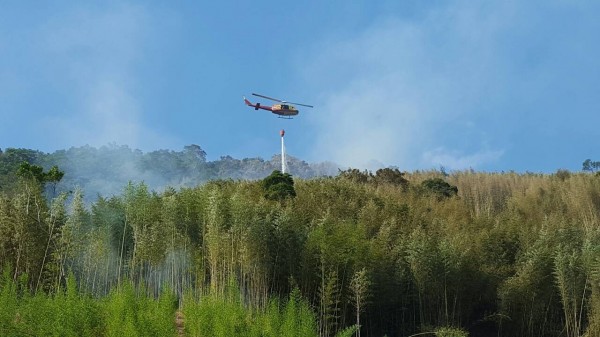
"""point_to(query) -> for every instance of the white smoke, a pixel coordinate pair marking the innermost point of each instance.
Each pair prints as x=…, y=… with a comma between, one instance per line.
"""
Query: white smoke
x=95, y=50
x=426, y=91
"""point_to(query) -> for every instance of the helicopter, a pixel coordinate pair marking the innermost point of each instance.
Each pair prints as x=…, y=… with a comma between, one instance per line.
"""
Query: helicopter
x=284, y=110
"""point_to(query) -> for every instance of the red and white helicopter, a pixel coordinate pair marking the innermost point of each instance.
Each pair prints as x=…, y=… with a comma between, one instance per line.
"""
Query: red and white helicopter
x=284, y=110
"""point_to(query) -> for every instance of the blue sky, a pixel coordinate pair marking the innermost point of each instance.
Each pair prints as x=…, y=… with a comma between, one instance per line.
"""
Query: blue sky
x=506, y=85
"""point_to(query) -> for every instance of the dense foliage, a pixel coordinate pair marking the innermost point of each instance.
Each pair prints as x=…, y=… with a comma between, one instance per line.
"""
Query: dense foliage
x=502, y=254
x=127, y=312
x=439, y=187
x=278, y=186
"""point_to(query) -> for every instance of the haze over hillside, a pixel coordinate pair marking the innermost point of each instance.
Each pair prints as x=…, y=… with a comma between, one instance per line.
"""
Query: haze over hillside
x=107, y=169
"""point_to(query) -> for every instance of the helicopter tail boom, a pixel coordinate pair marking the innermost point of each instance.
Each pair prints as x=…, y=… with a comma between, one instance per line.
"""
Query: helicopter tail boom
x=257, y=105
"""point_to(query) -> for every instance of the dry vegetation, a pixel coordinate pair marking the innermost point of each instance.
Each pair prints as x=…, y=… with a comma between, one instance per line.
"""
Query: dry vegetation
x=507, y=255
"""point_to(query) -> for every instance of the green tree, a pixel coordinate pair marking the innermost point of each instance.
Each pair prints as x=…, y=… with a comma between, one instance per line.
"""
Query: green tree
x=591, y=166
x=439, y=187
x=355, y=175
x=391, y=176
x=359, y=287
x=36, y=174
x=587, y=165
x=53, y=176
x=278, y=186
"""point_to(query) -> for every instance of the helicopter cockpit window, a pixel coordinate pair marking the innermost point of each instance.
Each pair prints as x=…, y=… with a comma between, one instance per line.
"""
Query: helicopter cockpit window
x=285, y=106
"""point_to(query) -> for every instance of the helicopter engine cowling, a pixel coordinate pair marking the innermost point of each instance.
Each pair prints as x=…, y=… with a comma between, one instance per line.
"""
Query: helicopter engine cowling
x=257, y=106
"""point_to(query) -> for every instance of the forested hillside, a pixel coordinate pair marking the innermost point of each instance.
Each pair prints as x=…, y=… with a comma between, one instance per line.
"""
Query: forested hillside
x=107, y=169
x=491, y=254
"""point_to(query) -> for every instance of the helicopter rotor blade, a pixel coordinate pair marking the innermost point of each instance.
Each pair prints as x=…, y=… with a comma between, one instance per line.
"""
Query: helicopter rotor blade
x=267, y=97
x=306, y=105
x=282, y=101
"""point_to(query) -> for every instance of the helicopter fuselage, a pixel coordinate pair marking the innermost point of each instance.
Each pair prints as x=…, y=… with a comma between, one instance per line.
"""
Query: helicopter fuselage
x=284, y=110
x=278, y=109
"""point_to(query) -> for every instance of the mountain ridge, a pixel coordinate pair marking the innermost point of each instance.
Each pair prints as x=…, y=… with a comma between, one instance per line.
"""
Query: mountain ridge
x=107, y=169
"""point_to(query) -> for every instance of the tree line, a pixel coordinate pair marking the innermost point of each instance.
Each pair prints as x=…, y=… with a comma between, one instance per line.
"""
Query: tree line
x=105, y=170
x=390, y=253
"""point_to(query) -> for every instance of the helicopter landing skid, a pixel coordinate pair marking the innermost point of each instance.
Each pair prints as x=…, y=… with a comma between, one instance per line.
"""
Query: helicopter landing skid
x=285, y=117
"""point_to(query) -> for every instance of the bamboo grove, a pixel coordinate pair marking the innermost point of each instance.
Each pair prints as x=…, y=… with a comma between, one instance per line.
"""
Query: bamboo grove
x=489, y=254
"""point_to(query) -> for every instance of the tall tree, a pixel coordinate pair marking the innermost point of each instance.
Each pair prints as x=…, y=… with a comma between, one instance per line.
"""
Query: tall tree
x=359, y=286
x=279, y=186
